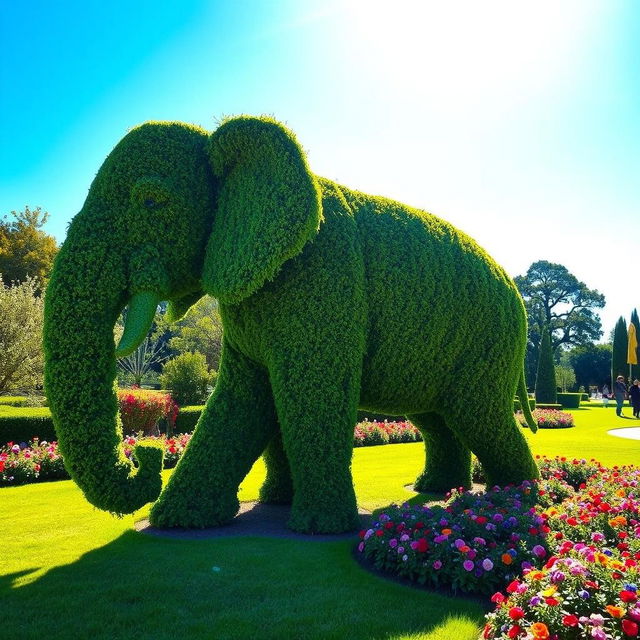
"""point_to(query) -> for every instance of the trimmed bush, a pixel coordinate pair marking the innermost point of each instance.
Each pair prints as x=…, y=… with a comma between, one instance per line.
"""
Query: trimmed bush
x=546, y=391
x=23, y=424
x=188, y=418
x=13, y=401
x=570, y=400
x=186, y=376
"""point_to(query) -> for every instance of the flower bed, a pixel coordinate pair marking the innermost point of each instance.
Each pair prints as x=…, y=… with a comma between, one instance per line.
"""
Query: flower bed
x=370, y=433
x=548, y=419
x=140, y=410
x=477, y=541
x=40, y=461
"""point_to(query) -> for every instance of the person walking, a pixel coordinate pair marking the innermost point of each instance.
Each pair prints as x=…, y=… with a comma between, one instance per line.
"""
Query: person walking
x=620, y=392
x=605, y=396
x=634, y=396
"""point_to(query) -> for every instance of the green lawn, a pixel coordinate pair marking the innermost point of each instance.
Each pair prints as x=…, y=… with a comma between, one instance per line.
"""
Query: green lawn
x=70, y=571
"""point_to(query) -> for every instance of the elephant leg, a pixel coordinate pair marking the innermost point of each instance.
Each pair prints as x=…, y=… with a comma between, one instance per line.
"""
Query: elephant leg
x=316, y=400
x=447, y=459
x=278, y=485
x=493, y=434
x=233, y=431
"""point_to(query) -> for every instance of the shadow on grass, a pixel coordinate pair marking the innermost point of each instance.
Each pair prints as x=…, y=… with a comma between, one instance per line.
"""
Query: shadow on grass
x=143, y=587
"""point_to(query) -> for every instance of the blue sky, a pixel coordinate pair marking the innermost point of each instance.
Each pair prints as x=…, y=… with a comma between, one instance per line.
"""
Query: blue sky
x=518, y=122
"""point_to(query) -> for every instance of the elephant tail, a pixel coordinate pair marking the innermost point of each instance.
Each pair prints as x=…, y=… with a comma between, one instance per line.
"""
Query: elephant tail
x=524, y=403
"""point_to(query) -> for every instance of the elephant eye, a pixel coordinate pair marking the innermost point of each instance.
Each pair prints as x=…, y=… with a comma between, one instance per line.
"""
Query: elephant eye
x=150, y=203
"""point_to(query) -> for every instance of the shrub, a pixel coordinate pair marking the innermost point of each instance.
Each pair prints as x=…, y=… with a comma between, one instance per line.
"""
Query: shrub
x=570, y=400
x=549, y=419
x=367, y=434
x=12, y=401
x=23, y=424
x=187, y=377
x=141, y=410
x=545, y=377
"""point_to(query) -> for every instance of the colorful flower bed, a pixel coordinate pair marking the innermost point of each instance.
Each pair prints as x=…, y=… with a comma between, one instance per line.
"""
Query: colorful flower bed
x=369, y=433
x=140, y=410
x=548, y=419
x=565, y=549
x=21, y=463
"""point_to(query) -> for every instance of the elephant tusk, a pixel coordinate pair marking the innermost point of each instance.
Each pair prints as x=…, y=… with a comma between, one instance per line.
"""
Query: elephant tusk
x=142, y=308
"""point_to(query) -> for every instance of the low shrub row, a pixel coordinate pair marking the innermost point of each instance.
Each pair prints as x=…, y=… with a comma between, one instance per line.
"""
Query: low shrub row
x=570, y=400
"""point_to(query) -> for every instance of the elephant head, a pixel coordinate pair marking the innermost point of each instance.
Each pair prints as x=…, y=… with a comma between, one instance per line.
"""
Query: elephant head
x=173, y=213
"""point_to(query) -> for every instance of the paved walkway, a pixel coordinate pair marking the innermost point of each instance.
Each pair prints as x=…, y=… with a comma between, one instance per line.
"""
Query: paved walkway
x=630, y=432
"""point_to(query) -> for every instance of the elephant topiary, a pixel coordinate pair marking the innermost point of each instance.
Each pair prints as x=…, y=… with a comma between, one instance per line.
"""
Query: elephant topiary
x=331, y=300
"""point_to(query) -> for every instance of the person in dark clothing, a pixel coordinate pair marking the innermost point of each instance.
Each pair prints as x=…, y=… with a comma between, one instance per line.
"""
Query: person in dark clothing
x=620, y=392
x=634, y=396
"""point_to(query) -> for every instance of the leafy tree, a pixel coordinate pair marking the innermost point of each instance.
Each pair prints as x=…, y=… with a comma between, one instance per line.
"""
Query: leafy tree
x=25, y=249
x=592, y=365
x=200, y=330
x=556, y=299
x=565, y=377
x=187, y=377
x=546, y=391
x=619, y=366
x=21, y=317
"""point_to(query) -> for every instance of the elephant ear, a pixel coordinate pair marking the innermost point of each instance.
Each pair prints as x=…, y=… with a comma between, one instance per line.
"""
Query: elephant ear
x=268, y=206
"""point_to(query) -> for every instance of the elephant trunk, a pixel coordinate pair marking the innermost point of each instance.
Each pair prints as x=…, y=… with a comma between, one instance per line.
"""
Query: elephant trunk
x=88, y=288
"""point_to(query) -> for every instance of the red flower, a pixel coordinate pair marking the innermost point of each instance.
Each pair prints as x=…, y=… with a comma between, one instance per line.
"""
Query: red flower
x=516, y=613
x=379, y=532
x=513, y=586
x=628, y=596
x=498, y=598
x=422, y=545
x=515, y=631
x=552, y=602
x=570, y=621
x=630, y=628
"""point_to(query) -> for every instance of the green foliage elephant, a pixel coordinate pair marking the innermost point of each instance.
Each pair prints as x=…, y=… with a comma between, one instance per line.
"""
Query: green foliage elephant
x=330, y=299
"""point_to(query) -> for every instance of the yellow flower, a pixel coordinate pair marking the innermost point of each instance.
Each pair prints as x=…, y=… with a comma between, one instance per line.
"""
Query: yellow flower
x=547, y=593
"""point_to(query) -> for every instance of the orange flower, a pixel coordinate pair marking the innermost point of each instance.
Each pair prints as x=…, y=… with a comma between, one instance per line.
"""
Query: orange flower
x=539, y=631
x=536, y=575
x=615, y=612
x=506, y=558
x=618, y=521
x=446, y=532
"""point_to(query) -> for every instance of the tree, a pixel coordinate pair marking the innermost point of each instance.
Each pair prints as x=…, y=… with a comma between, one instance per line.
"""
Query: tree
x=592, y=365
x=565, y=377
x=619, y=366
x=546, y=391
x=187, y=377
x=21, y=317
x=556, y=299
x=635, y=369
x=199, y=331
x=25, y=249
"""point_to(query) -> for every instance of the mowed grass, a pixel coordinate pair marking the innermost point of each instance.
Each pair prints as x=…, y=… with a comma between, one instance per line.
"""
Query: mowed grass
x=70, y=571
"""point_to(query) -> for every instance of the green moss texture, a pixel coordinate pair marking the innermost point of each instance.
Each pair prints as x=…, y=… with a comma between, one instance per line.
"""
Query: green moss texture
x=331, y=300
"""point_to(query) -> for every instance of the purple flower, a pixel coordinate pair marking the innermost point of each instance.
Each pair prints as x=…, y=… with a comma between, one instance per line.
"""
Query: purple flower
x=539, y=551
x=468, y=565
x=487, y=565
x=535, y=601
x=437, y=565
x=584, y=594
x=393, y=543
x=557, y=576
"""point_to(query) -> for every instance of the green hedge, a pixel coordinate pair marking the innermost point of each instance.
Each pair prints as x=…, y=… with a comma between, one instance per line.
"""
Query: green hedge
x=23, y=424
x=548, y=405
x=12, y=401
x=570, y=400
x=517, y=406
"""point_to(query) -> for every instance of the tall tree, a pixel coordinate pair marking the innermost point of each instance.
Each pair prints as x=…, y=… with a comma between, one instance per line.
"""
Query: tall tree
x=546, y=390
x=556, y=299
x=26, y=251
x=21, y=355
x=592, y=365
x=635, y=369
x=619, y=366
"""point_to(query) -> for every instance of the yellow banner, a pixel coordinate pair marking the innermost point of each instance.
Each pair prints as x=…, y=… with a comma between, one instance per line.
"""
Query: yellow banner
x=632, y=353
